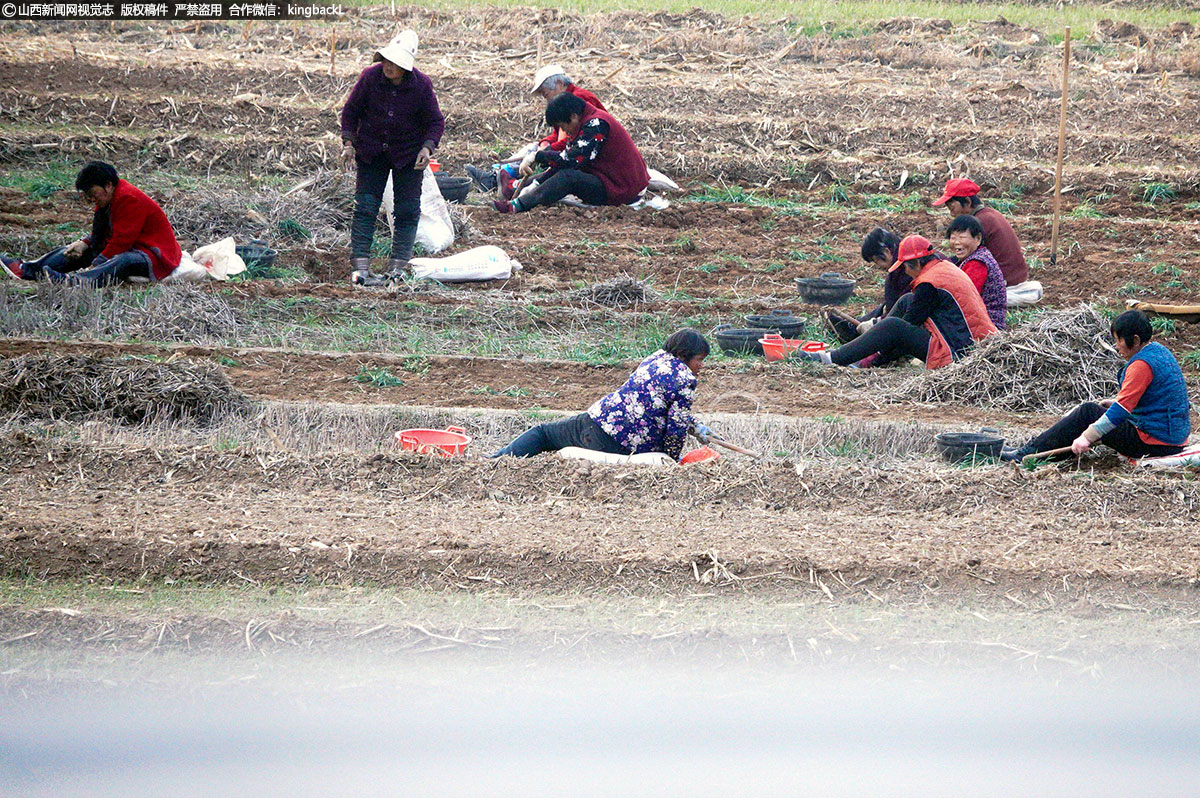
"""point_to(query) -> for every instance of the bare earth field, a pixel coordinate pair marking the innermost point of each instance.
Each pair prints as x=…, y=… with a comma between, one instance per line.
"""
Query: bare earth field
x=178, y=556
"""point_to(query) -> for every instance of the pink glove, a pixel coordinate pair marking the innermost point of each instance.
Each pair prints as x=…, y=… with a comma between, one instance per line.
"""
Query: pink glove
x=1080, y=445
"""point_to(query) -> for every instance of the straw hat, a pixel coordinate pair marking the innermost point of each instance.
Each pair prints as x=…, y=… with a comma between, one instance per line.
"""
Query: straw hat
x=401, y=50
x=548, y=71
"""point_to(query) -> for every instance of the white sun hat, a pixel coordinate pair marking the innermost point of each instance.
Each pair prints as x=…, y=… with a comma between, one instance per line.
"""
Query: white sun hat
x=401, y=50
x=548, y=71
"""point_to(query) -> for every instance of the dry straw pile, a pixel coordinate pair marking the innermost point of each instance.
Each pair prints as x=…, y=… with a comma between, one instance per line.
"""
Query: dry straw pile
x=127, y=389
x=616, y=293
x=1050, y=365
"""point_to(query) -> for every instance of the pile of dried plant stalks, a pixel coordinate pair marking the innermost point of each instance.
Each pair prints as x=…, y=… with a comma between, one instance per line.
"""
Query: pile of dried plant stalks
x=127, y=389
x=1051, y=364
x=316, y=210
x=616, y=293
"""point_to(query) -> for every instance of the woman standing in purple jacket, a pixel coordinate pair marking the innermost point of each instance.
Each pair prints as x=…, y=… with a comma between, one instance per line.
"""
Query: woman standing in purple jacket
x=651, y=412
x=391, y=123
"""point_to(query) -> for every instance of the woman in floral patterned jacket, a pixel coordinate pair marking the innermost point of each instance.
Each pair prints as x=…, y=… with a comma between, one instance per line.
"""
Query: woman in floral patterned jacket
x=651, y=412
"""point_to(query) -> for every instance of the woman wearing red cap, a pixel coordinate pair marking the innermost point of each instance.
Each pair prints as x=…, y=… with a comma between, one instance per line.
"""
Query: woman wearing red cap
x=944, y=319
x=962, y=196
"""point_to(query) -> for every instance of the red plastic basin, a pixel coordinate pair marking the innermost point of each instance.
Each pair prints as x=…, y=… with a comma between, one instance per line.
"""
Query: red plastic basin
x=776, y=347
x=700, y=455
x=447, y=443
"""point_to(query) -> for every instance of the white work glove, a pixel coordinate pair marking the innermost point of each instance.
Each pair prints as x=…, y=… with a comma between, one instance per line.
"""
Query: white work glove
x=527, y=164
x=1081, y=444
x=863, y=326
x=76, y=249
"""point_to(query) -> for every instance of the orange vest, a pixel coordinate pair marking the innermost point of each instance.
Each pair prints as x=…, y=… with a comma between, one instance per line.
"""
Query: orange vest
x=961, y=318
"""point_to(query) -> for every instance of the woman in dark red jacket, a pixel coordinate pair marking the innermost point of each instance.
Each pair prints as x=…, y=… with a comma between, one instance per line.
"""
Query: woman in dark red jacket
x=131, y=236
x=600, y=165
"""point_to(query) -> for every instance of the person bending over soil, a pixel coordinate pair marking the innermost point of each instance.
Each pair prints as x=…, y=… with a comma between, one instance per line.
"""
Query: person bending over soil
x=391, y=124
x=941, y=322
x=600, y=164
x=131, y=238
x=651, y=412
x=1150, y=416
x=967, y=239
x=962, y=196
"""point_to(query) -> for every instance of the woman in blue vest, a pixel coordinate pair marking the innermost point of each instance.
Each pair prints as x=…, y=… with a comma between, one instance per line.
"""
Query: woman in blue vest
x=1149, y=417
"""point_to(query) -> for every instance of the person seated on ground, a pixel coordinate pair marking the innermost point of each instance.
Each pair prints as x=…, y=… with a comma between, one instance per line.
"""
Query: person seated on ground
x=962, y=196
x=942, y=321
x=131, y=237
x=548, y=82
x=879, y=249
x=391, y=124
x=1150, y=416
x=967, y=238
x=651, y=412
x=600, y=164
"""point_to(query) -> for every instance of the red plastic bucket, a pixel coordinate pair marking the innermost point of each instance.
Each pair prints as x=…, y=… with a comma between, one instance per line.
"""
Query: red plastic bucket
x=447, y=443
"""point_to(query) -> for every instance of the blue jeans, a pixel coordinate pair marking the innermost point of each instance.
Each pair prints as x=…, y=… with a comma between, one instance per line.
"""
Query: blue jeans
x=368, y=196
x=578, y=430
x=116, y=269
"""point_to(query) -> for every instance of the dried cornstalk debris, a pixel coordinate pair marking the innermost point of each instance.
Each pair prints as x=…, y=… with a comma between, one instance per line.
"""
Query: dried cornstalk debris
x=132, y=390
x=618, y=292
x=1051, y=364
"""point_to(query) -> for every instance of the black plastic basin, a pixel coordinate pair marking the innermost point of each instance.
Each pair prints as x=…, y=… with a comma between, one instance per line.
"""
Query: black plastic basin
x=739, y=340
x=780, y=321
x=454, y=189
x=258, y=255
x=958, y=446
x=831, y=288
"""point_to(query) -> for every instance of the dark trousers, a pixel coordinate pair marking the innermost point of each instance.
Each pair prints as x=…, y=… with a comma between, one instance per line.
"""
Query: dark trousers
x=578, y=430
x=847, y=332
x=117, y=269
x=586, y=186
x=368, y=196
x=892, y=337
x=1124, y=437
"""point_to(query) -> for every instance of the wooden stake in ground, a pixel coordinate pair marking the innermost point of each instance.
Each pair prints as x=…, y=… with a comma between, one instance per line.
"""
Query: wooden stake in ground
x=1062, y=146
x=332, y=47
x=538, y=65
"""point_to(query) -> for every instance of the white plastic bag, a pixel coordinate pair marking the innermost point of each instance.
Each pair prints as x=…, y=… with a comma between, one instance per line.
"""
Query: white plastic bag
x=218, y=261
x=654, y=459
x=435, y=229
x=1024, y=294
x=480, y=263
x=660, y=182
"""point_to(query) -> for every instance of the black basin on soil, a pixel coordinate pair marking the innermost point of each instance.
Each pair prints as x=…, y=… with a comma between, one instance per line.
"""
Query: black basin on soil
x=454, y=189
x=780, y=321
x=831, y=288
x=957, y=446
x=258, y=255
x=738, y=340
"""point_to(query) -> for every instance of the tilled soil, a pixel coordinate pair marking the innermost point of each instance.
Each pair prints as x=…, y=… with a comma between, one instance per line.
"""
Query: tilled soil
x=197, y=514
